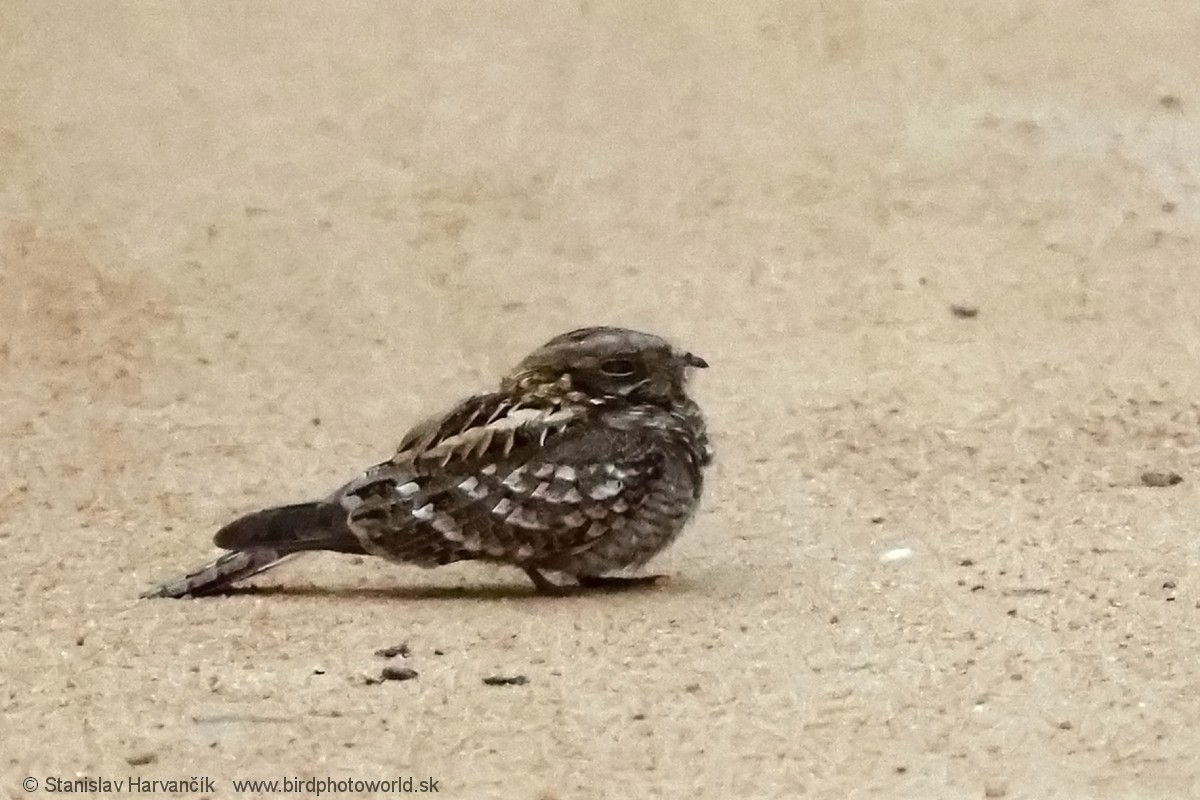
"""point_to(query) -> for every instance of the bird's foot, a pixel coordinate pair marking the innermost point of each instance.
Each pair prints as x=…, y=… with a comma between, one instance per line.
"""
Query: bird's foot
x=543, y=585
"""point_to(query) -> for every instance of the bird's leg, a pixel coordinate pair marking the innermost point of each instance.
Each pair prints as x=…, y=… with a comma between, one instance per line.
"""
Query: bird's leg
x=617, y=582
x=544, y=585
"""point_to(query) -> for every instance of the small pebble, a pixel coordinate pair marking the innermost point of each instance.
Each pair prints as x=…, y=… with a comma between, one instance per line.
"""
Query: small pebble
x=896, y=554
x=141, y=759
x=393, y=651
x=1161, y=479
x=398, y=674
x=501, y=680
x=963, y=311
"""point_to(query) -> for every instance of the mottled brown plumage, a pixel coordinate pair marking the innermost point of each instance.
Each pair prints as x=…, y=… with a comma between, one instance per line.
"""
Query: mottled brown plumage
x=588, y=459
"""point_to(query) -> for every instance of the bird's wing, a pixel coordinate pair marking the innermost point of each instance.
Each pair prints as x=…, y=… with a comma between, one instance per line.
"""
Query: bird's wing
x=484, y=427
x=495, y=480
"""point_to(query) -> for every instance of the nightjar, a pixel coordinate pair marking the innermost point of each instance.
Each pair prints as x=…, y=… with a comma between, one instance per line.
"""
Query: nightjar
x=588, y=459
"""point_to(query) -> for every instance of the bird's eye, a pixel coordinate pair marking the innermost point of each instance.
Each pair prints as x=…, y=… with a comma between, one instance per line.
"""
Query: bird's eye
x=618, y=367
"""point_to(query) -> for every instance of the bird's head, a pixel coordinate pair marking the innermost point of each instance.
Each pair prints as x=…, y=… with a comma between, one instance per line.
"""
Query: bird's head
x=606, y=364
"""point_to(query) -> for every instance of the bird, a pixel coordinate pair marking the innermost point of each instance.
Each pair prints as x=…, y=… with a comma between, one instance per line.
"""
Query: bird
x=587, y=459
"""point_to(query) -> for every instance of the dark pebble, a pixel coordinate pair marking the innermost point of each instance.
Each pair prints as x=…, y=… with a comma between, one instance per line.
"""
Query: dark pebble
x=1161, y=479
x=398, y=674
x=500, y=680
x=393, y=651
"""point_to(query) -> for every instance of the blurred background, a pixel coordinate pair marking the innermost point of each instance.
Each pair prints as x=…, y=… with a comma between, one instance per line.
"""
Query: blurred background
x=941, y=256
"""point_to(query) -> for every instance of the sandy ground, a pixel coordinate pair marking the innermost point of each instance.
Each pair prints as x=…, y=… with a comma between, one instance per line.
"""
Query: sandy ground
x=242, y=250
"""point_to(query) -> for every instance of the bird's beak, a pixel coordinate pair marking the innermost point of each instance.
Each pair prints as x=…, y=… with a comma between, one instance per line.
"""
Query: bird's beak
x=694, y=361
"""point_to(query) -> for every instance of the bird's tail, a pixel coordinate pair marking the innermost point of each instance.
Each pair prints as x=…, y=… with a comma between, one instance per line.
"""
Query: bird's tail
x=216, y=575
x=263, y=540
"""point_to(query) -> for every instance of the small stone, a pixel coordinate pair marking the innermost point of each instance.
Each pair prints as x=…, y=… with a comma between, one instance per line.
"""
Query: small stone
x=141, y=759
x=877, y=519
x=964, y=311
x=896, y=554
x=393, y=651
x=1161, y=479
x=1169, y=101
x=966, y=562
x=398, y=674
x=506, y=680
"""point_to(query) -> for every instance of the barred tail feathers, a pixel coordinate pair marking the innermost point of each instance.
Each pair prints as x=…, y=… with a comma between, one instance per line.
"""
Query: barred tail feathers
x=229, y=568
x=262, y=540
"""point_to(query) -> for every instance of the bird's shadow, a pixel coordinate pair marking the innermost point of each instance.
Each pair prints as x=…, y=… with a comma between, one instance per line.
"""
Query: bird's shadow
x=496, y=591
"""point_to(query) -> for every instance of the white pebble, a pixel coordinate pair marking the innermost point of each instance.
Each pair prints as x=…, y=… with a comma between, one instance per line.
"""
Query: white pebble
x=897, y=554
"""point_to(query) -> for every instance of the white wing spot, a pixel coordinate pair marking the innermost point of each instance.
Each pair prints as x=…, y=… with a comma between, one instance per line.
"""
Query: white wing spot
x=473, y=488
x=445, y=525
x=617, y=472
x=503, y=507
x=521, y=518
x=620, y=506
x=574, y=520
x=424, y=513
x=544, y=471
x=515, y=479
x=540, y=491
x=606, y=490
x=565, y=473
x=524, y=552
x=571, y=495
x=595, y=530
x=495, y=550
x=488, y=469
x=408, y=489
